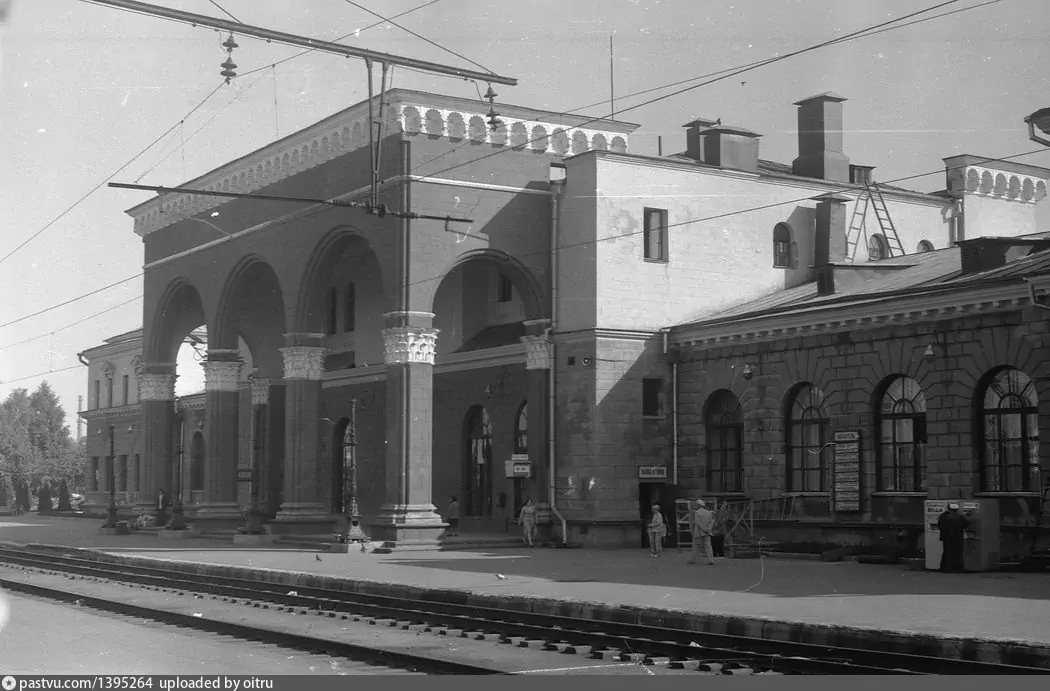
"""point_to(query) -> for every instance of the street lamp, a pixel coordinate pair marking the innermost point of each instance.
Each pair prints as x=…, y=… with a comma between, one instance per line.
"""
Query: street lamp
x=178, y=522
x=1040, y=119
x=112, y=516
x=353, y=515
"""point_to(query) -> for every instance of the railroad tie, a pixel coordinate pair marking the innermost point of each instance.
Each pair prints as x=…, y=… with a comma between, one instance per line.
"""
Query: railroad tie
x=513, y=640
x=483, y=636
x=632, y=657
x=656, y=661
x=532, y=643
x=453, y=633
x=607, y=654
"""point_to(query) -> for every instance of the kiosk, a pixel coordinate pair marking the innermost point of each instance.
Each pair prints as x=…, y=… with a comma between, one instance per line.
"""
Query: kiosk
x=981, y=540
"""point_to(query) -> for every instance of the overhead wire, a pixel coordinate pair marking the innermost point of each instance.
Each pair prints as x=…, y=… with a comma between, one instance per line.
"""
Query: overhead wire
x=41, y=374
x=107, y=179
x=71, y=300
x=862, y=33
x=422, y=38
x=72, y=324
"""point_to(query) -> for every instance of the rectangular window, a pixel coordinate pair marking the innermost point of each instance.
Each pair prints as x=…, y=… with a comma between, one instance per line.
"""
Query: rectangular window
x=138, y=473
x=122, y=481
x=124, y=386
x=506, y=289
x=109, y=392
x=781, y=254
x=350, y=309
x=655, y=234
x=651, y=397
x=98, y=394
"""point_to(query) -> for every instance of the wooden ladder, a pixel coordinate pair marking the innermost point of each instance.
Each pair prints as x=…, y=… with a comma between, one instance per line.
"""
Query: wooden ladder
x=882, y=213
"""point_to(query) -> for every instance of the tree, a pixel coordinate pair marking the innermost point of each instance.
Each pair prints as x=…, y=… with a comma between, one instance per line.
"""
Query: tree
x=22, y=494
x=63, y=497
x=19, y=457
x=44, y=497
x=34, y=440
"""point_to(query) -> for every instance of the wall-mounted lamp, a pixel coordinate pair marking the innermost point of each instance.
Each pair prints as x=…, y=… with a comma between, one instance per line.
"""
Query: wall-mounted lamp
x=747, y=373
x=930, y=351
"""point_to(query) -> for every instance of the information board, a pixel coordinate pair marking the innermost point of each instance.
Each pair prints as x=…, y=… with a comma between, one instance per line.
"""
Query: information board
x=847, y=471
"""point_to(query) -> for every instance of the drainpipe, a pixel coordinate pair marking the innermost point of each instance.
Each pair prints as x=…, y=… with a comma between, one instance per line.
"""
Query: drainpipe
x=80, y=356
x=556, y=186
x=674, y=410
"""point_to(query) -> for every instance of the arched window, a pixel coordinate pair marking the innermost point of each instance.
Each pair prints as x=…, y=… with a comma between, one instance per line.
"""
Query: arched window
x=349, y=308
x=783, y=247
x=900, y=421
x=197, y=462
x=1010, y=431
x=807, y=438
x=331, y=312
x=724, y=430
x=878, y=248
x=521, y=429
x=925, y=246
x=478, y=476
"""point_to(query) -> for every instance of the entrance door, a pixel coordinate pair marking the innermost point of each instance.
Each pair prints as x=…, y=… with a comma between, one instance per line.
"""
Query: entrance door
x=478, y=470
x=664, y=495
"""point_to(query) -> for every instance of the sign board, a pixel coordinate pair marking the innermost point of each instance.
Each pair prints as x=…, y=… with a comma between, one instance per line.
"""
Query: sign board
x=515, y=469
x=519, y=457
x=244, y=475
x=847, y=471
x=652, y=472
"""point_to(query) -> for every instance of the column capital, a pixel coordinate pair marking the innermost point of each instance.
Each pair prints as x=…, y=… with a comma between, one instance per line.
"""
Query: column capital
x=221, y=375
x=303, y=362
x=539, y=351
x=409, y=344
x=157, y=386
x=260, y=390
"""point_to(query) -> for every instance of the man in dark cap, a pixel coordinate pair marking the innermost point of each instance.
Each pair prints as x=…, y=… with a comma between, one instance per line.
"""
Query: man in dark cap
x=952, y=526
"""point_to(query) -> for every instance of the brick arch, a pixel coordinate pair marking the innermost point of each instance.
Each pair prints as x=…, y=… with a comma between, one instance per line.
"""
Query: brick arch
x=898, y=357
x=251, y=307
x=533, y=297
x=178, y=311
x=803, y=366
x=322, y=263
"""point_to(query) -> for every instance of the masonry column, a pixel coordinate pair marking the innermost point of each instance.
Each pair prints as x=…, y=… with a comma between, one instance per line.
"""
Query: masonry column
x=301, y=510
x=273, y=478
x=222, y=374
x=408, y=515
x=539, y=361
x=157, y=397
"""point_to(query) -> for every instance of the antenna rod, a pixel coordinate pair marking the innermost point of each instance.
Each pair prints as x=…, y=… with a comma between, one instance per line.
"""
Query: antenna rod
x=302, y=41
x=612, y=73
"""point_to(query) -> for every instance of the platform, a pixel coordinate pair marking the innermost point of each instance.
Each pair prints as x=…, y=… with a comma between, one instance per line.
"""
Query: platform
x=990, y=616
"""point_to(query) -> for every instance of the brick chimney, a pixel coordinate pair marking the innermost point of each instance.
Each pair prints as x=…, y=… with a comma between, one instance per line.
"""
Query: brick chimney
x=694, y=137
x=830, y=236
x=731, y=147
x=820, y=139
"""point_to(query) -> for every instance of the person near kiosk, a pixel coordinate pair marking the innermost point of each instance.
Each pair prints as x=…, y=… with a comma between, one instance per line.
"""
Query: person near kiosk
x=952, y=526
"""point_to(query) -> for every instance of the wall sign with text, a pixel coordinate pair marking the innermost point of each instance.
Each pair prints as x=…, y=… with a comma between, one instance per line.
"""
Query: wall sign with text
x=847, y=471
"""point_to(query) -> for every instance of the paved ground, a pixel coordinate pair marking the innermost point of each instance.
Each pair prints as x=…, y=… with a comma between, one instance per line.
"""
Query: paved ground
x=1007, y=607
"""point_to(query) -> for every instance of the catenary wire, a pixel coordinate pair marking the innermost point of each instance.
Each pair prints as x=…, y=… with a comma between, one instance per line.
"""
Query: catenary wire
x=108, y=178
x=422, y=38
x=71, y=300
x=40, y=374
x=72, y=324
x=735, y=71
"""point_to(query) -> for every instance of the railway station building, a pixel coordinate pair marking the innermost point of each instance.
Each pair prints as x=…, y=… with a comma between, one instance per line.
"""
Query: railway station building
x=588, y=340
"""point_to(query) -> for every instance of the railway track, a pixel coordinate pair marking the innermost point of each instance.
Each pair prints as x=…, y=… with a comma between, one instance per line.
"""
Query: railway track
x=626, y=642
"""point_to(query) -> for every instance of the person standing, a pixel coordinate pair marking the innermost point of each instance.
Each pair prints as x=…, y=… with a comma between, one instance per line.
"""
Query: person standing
x=527, y=520
x=952, y=526
x=703, y=529
x=453, y=517
x=656, y=529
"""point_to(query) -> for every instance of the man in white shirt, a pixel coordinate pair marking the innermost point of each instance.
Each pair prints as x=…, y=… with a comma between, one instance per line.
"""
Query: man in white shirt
x=703, y=528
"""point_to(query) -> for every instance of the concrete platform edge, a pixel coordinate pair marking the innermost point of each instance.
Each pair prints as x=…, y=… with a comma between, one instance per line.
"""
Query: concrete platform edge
x=1000, y=651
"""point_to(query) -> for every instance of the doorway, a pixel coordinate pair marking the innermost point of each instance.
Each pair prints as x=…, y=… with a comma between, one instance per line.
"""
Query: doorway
x=478, y=471
x=663, y=494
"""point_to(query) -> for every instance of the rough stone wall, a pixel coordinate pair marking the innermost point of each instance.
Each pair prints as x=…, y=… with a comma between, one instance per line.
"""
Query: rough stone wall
x=848, y=366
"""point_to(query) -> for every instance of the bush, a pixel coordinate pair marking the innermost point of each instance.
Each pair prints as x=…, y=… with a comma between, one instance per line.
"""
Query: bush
x=44, y=499
x=63, y=497
x=22, y=495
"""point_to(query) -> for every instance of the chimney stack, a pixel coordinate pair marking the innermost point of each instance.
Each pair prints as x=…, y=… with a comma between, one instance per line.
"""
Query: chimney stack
x=830, y=245
x=731, y=147
x=820, y=139
x=694, y=141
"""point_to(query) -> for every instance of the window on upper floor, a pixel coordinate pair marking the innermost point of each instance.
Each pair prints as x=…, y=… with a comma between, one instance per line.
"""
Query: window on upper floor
x=350, y=308
x=506, y=289
x=652, y=403
x=783, y=247
x=332, y=312
x=655, y=234
x=878, y=248
x=98, y=393
x=124, y=387
x=925, y=246
x=109, y=392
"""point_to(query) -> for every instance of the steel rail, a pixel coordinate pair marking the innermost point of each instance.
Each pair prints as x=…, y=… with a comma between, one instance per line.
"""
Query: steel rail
x=352, y=651
x=791, y=657
x=240, y=29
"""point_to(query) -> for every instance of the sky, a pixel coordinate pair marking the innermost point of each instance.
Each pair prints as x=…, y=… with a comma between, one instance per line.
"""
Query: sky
x=86, y=88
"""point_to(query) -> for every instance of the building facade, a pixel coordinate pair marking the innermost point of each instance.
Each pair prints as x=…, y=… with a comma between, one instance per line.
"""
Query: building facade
x=532, y=353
